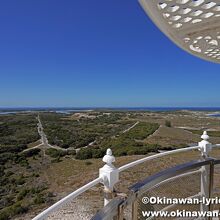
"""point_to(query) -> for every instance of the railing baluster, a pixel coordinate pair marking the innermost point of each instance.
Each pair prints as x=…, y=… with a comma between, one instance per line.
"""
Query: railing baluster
x=206, y=174
x=211, y=184
x=135, y=210
x=110, y=176
x=120, y=212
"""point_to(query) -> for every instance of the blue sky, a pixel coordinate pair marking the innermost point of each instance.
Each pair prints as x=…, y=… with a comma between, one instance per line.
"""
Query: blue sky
x=78, y=53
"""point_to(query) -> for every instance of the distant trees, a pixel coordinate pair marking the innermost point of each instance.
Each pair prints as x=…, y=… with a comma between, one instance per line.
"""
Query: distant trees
x=88, y=153
x=84, y=154
x=55, y=153
x=136, y=149
x=128, y=143
x=76, y=134
x=16, y=131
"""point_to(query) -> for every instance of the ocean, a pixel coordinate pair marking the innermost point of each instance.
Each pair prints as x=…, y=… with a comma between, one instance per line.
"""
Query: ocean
x=67, y=110
x=214, y=115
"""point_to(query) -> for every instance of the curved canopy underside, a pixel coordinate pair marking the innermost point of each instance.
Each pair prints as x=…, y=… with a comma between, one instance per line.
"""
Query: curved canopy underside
x=194, y=25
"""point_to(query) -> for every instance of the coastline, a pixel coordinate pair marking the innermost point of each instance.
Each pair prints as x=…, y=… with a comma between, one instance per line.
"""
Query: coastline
x=213, y=111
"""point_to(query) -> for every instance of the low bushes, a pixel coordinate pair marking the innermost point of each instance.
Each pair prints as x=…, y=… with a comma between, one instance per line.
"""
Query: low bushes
x=55, y=153
x=31, y=152
x=13, y=210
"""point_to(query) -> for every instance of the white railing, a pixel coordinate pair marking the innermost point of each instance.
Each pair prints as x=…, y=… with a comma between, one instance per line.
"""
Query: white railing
x=109, y=175
x=68, y=198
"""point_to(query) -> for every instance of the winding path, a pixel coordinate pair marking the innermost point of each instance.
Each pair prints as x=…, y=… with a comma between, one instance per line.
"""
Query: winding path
x=125, y=131
x=89, y=145
x=44, y=141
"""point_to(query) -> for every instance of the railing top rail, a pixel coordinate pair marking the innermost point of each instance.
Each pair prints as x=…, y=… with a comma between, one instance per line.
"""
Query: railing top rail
x=216, y=161
x=137, y=162
x=109, y=211
x=216, y=145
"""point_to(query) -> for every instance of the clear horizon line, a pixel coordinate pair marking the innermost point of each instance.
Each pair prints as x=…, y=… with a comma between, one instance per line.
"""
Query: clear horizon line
x=92, y=107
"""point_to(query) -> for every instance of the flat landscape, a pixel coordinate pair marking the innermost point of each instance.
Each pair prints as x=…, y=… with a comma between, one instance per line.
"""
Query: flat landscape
x=46, y=155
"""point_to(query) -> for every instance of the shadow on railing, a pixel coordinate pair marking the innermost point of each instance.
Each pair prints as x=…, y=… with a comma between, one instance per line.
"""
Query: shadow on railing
x=109, y=176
